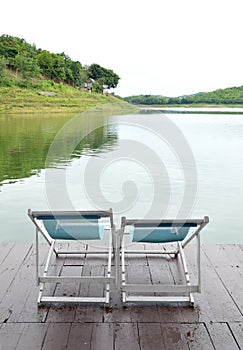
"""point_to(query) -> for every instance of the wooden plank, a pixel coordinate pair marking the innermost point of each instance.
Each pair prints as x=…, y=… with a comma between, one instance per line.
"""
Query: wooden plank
x=137, y=259
x=22, y=336
x=91, y=313
x=80, y=336
x=102, y=336
x=173, y=337
x=96, y=259
x=14, y=306
x=5, y=248
x=64, y=313
x=197, y=336
x=118, y=326
x=120, y=312
x=208, y=306
x=57, y=336
x=32, y=336
x=126, y=336
x=139, y=313
x=221, y=336
x=234, y=253
x=237, y=331
x=20, y=303
x=117, y=314
x=11, y=265
x=161, y=273
x=10, y=335
x=137, y=271
x=14, y=300
x=75, y=259
x=150, y=336
x=30, y=312
x=228, y=269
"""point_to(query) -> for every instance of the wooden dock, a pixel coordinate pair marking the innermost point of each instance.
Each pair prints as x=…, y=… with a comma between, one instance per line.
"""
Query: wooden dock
x=215, y=323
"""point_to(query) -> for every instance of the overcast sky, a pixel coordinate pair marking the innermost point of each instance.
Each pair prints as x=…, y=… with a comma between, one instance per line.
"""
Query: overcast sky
x=162, y=47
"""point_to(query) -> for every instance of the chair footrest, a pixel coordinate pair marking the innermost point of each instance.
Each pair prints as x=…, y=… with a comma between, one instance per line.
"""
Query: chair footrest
x=166, y=299
x=80, y=252
x=82, y=279
x=73, y=300
x=144, y=288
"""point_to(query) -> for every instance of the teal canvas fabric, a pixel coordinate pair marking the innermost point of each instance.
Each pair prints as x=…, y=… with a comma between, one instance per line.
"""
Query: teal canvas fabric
x=74, y=228
x=158, y=234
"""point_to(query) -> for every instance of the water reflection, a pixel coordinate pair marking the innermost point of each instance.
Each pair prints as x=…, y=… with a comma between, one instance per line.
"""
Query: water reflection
x=100, y=157
x=25, y=141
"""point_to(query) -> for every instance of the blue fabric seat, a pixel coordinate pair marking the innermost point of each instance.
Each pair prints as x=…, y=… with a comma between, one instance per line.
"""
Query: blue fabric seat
x=158, y=234
x=74, y=228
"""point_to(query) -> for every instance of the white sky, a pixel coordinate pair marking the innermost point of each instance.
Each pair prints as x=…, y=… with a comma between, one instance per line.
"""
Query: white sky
x=164, y=47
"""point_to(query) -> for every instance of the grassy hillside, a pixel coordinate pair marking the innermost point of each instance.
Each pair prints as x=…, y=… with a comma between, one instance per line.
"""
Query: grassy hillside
x=66, y=99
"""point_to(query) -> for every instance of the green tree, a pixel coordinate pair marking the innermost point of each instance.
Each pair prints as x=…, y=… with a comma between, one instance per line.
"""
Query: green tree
x=103, y=76
x=26, y=59
x=58, y=68
x=97, y=87
x=8, y=48
x=2, y=69
x=28, y=66
x=80, y=74
x=45, y=61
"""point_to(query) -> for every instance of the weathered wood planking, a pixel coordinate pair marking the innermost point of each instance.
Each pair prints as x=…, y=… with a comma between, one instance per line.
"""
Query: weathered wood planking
x=214, y=303
x=221, y=336
x=229, y=269
x=215, y=323
x=11, y=264
x=5, y=249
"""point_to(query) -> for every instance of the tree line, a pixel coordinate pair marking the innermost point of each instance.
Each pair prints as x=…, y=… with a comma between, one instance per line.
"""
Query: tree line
x=226, y=96
x=21, y=57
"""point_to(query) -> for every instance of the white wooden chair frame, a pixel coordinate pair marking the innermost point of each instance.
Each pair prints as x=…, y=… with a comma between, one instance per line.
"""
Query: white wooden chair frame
x=46, y=278
x=174, y=293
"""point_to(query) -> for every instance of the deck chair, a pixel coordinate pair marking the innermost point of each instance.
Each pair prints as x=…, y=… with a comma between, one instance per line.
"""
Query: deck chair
x=163, y=234
x=85, y=226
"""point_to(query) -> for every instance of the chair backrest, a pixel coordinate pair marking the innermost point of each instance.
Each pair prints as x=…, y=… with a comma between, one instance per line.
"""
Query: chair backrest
x=159, y=231
x=72, y=225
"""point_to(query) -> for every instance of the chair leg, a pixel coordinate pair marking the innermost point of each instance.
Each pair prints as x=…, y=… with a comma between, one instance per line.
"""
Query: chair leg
x=187, y=278
x=123, y=270
x=192, y=301
x=177, y=251
x=47, y=265
x=37, y=255
x=107, y=293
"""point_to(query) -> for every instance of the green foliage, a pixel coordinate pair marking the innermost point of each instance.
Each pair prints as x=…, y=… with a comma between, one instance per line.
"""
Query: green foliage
x=232, y=95
x=103, y=76
x=79, y=74
x=32, y=63
x=2, y=68
x=24, y=143
x=27, y=65
x=97, y=87
x=146, y=99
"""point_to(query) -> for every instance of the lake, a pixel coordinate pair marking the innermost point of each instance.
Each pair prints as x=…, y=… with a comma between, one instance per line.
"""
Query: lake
x=141, y=165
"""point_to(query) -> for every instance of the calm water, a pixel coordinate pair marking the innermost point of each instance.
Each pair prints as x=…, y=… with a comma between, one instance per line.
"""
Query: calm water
x=140, y=165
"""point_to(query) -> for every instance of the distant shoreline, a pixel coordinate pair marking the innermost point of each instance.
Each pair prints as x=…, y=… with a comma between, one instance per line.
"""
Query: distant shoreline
x=194, y=110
